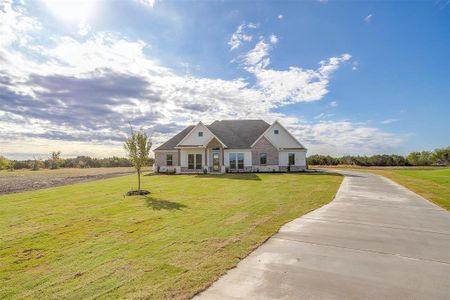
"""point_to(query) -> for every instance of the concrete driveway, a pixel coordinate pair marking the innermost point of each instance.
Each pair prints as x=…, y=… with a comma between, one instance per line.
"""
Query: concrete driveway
x=376, y=240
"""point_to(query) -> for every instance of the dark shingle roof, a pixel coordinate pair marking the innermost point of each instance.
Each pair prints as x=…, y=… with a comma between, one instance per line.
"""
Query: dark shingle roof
x=235, y=134
x=170, y=144
x=238, y=134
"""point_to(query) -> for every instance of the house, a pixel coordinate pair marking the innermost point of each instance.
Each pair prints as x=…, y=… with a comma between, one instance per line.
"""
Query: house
x=231, y=146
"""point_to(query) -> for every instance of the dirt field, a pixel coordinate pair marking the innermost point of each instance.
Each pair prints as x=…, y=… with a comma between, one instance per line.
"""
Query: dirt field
x=26, y=180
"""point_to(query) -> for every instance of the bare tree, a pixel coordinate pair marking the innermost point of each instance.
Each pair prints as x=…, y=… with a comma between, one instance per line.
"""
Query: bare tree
x=55, y=160
x=138, y=147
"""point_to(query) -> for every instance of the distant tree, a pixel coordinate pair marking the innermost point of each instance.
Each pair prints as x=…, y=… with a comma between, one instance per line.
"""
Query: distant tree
x=35, y=164
x=424, y=158
x=55, y=160
x=441, y=156
x=138, y=147
x=5, y=164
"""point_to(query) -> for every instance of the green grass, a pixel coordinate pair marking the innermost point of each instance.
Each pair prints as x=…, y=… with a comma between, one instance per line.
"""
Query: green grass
x=431, y=183
x=87, y=240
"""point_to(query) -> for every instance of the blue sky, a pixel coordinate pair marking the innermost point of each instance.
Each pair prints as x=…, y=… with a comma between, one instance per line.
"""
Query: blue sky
x=344, y=77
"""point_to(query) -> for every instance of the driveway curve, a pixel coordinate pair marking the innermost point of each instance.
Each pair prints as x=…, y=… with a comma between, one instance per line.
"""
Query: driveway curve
x=375, y=240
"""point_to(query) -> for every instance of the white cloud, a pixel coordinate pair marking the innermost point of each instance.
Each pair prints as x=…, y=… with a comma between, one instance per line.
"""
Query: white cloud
x=344, y=137
x=273, y=39
x=83, y=28
x=239, y=37
x=333, y=104
x=56, y=101
x=150, y=3
x=280, y=16
x=389, y=121
x=258, y=57
x=368, y=18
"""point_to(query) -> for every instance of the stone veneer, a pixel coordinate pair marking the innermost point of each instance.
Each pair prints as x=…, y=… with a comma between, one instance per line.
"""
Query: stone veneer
x=264, y=146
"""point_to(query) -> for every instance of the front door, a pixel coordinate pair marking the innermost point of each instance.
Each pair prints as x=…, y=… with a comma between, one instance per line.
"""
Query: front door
x=216, y=161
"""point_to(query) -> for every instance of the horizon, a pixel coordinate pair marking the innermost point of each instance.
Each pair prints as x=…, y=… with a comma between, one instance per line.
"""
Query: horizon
x=346, y=78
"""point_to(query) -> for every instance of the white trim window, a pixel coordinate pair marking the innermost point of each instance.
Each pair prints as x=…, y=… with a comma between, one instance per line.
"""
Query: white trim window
x=291, y=159
x=169, y=159
x=236, y=161
x=263, y=159
x=195, y=161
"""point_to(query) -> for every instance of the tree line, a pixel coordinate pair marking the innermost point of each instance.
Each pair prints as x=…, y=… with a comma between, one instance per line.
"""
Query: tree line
x=438, y=157
x=54, y=161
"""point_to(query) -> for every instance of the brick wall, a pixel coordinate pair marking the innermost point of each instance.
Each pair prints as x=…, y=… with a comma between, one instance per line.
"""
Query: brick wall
x=264, y=146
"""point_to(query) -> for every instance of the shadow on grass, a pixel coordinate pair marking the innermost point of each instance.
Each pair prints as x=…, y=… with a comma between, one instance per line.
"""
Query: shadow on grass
x=238, y=176
x=156, y=204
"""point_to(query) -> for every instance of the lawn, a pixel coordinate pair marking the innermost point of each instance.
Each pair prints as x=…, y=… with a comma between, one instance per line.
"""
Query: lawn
x=431, y=183
x=87, y=240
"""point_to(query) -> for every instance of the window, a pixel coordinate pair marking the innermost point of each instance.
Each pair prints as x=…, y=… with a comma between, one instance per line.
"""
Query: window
x=236, y=161
x=240, y=158
x=262, y=158
x=275, y=131
x=232, y=160
x=200, y=133
x=191, y=162
x=291, y=159
x=169, y=159
x=194, y=161
x=198, y=161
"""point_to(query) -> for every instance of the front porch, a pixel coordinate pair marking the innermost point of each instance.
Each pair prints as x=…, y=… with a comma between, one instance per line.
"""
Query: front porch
x=208, y=159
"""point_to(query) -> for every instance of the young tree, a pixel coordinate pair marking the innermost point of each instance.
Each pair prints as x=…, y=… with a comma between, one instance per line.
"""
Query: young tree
x=138, y=148
x=55, y=160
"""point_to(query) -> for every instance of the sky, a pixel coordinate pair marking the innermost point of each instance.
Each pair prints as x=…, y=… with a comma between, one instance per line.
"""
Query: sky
x=345, y=77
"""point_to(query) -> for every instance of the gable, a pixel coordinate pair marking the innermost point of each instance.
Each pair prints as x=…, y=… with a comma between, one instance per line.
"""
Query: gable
x=283, y=139
x=264, y=144
x=194, y=139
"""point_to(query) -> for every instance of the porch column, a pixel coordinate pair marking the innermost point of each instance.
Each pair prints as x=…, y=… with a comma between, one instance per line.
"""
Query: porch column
x=206, y=153
x=223, y=156
x=179, y=157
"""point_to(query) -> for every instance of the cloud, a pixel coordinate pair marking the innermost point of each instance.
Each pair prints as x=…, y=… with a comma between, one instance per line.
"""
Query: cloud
x=280, y=16
x=389, y=121
x=258, y=57
x=149, y=3
x=273, y=39
x=77, y=94
x=83, y=28
x=333, y=104
x=344, y=137
x=368, y=18
x=239, y=37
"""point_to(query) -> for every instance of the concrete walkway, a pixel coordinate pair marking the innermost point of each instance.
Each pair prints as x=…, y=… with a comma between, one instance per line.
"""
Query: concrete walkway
x=376, y=240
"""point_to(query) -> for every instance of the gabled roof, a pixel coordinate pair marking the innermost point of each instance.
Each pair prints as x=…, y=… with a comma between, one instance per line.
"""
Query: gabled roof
x=284, y=128
x=181, y=143
x=235, y=134
x=170, y=144
x=238, y=134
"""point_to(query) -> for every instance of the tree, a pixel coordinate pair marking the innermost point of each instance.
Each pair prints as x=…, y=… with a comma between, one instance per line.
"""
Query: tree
x=138, y=148
x=442, y=156
x=36, y=164
x=55, y=160
x=5, y=163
